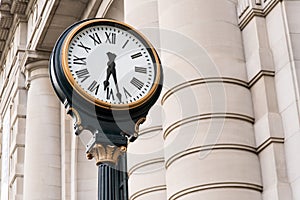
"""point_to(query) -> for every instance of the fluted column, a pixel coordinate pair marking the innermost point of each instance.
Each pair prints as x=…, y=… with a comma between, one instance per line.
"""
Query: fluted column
x=42, y=166
x=146, y=155
x=210, y=150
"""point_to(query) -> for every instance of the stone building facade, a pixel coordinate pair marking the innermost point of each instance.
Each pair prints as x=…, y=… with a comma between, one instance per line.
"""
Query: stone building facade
x=227, y=124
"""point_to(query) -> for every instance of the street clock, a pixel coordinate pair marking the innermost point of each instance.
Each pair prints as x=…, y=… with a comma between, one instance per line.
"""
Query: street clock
x=107, y=74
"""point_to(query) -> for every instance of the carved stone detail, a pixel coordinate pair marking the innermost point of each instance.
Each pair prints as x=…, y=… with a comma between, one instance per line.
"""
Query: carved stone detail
x=5, y=19
x=19, y=6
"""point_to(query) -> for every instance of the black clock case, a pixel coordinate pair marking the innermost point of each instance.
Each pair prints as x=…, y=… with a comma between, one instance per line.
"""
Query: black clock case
x=88, y=115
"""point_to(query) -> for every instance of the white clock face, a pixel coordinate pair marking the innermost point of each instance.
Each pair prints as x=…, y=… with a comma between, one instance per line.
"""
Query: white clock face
x=111, y=64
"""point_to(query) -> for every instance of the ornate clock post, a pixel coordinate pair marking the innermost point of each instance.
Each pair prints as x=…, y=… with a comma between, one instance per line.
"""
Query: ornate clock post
x=108, y=76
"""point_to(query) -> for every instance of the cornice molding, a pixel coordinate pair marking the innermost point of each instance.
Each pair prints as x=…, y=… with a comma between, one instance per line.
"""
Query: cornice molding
x=248, y=9
x=19, y=6
x=11, y=12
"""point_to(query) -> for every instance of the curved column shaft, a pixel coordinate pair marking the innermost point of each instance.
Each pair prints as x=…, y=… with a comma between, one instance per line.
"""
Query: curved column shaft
x=146, y=155
x=42, y=166
x=210, y=150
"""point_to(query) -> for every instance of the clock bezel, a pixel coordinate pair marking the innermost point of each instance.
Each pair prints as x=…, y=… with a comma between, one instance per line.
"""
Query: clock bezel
x=90, y=98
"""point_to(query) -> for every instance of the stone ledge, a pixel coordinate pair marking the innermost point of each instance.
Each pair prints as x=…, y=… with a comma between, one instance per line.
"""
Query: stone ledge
x=206, y=116
x=200, y=81
x=222, y=185
x=148, y=190
x=150, y=130
x=268, y=142
x=144, y=164
x=259, y=75
x=209, y=148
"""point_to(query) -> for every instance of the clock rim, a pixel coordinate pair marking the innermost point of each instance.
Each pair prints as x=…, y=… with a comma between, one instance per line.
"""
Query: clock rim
x=90, y=98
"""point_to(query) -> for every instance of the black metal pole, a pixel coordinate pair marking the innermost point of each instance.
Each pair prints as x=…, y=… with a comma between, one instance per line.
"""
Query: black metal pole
x=112, y=182
x=123, y=178
x=106, y=181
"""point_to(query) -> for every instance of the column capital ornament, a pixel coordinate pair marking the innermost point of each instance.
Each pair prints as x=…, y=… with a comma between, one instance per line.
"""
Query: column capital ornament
x=32, y=59
x=106, y=153
x=31, y=71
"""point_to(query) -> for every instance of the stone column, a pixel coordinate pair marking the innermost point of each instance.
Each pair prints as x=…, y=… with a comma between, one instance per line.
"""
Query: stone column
x=42, y=165
x=146, y=154
x=210, y=150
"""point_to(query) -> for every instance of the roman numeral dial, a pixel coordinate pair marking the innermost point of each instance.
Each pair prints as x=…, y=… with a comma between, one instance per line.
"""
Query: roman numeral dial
x=111, y=65
x=137, y=83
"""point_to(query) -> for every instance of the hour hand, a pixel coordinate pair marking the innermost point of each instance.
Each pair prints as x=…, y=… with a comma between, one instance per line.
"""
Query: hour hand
x=119, y=95
x=106, y=82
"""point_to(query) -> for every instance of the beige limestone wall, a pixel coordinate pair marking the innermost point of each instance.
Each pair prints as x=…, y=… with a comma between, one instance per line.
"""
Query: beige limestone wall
x=86, y=174
x=17, y=141
x=13, y=114
x=283, y=20
x=13, y=98
x=208, y=131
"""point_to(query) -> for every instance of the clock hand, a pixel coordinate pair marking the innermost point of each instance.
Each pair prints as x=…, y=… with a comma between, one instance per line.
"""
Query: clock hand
x=111, y=69
x=110, y=66
x=106, y=82
x=116, y=83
